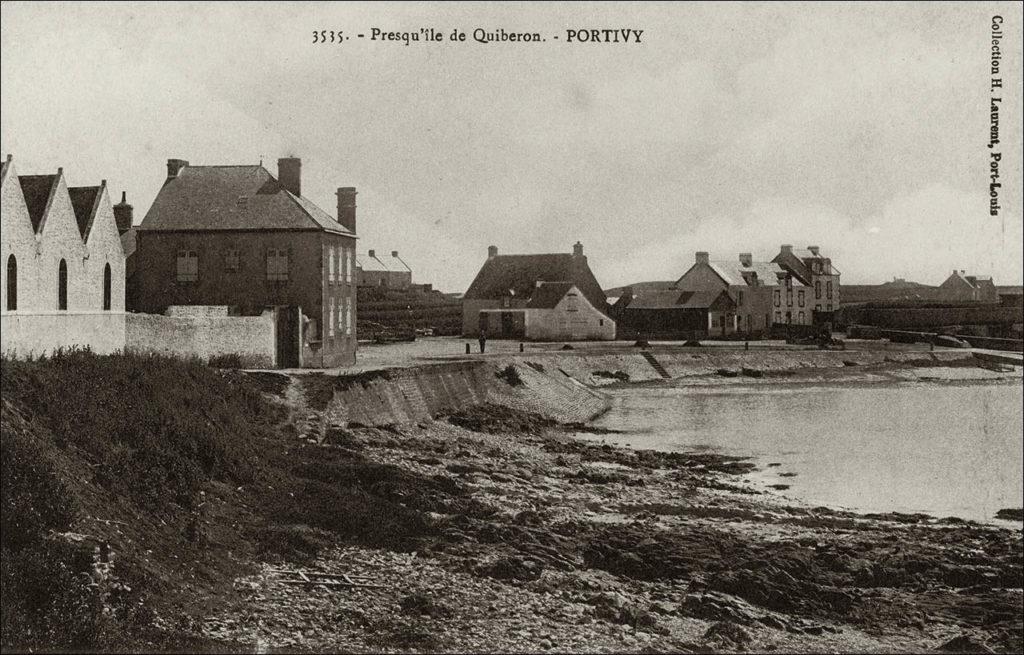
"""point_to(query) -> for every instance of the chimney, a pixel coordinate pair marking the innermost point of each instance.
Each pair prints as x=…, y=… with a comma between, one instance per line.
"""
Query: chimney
x=746, y=258
x=123, y=215
x=347, y=207
x=372, y=254
x=492, y=251
x=787, y=249
x=577, y=249
x=702, y=257
x=814, y=250
x=289, y=174
x=174, y=166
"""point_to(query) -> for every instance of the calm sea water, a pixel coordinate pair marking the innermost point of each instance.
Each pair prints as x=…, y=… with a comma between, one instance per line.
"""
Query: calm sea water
x=952, y=449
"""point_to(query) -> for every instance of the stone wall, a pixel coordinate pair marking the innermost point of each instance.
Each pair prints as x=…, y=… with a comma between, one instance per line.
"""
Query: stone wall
x=40, y=333
x=253, y=338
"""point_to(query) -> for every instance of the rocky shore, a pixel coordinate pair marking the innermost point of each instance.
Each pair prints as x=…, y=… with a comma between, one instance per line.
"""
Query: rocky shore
x=536, y=541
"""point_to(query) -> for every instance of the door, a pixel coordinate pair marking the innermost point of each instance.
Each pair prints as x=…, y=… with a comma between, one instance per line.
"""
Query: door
x=287, y=337
x=508, y=326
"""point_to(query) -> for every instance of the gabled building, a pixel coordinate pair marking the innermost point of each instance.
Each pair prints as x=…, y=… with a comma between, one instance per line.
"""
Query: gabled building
x=239, y=237
x=815, y=271
x=513, y=282
x=376, y=270
x=959, y=286
x=63, y=267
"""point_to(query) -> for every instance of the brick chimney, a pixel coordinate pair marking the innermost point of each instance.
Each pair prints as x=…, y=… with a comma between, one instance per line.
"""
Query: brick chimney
x=123, y=214
x=702, y=257
x=372, y=254
x=492, y=251
x=289, y=174
x=577, y=249
x=787, y=249
x=174, y=166
x=347, y=207
x=746, y=259
x=815, y=250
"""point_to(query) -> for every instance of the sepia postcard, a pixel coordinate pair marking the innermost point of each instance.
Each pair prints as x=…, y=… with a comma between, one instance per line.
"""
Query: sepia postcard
x=511, y=327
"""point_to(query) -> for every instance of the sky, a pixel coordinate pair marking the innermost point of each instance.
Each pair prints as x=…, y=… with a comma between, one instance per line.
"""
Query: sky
x=862, y=128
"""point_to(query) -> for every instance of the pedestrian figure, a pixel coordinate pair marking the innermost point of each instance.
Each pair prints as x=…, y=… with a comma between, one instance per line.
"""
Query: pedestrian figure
x=483, y=340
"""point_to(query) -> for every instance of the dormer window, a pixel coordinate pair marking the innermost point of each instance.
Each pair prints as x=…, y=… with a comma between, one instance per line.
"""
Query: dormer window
x=243, y=201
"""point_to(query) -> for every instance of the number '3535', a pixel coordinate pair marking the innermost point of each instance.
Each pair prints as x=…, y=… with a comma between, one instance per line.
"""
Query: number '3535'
x=327, y=36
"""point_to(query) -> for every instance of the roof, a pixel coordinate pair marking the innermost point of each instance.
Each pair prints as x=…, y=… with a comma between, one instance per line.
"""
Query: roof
x=639, y=286
x=128, y=241
x=367, y=263
x=548, y=294
x=676, y=299
x=83, y=201
x=733, y=272
x=36, y=189
x=232, y=198
x=518, y=275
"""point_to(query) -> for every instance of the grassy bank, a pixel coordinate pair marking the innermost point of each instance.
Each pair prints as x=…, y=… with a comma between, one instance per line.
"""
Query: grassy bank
x=486, y=529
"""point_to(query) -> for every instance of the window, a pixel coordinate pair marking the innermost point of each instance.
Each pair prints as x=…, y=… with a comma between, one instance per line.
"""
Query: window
x=62, y=285
x=789, y=282
x=350, y=258
x=817, y=307
x=277, y=264
x=739, y=300
x=778, y=317
x=800, y=319
x=828, y=289
x=348, y=316
x=572, y=303
x=789, y=297
x=506, y=301
x=106, y=287
x=830, y=308
x=331, y=320
x=188, y=266
x=778, y=298
x=800, y=297
x=789, y=317
x=817, y=289
x=332, y=275
x=12, y=283
x=231, y=260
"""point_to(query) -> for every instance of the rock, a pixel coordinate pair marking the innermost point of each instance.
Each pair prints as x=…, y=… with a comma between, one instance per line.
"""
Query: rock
x=662, y=607
x=1014, y=514
x=728, y=634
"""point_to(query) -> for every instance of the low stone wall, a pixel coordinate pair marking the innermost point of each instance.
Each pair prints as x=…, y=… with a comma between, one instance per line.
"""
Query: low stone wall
x=35, y=334
x=252, y=338
x=421, y=392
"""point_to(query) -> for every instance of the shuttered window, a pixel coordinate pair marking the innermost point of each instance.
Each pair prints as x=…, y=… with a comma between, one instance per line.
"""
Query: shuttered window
x=188, y=266
x=277, y=264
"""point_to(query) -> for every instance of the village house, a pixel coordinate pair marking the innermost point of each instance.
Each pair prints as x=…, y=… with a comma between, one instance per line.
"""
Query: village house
x=960, y=287
x=236, y=236
x=63, y=270
x=545, y=297
x=815, y=271
x=382, y=271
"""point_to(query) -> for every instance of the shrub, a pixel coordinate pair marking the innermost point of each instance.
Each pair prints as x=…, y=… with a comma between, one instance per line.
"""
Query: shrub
x=510, y=374
x=230, y=360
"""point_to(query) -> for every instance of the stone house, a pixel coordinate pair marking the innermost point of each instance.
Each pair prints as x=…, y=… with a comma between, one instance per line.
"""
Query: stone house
x=815, y=271
x=236, y=236
x=555, y=311
x=959, y=287
x=511, y=282
x=63, y=267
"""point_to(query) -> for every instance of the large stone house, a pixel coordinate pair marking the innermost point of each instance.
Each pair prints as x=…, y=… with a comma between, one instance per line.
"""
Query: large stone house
x=815, y=271
x=236, y=236
x=378, y=270
x=959, y=287
x=552, y=297
x=63, y=268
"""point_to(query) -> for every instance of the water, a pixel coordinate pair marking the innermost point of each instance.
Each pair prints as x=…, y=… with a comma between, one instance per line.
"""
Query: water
x=951, y=449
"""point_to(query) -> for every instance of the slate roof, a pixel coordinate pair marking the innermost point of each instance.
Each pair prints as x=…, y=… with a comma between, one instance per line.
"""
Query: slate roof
x=36, y=189
x=639, y=286
x=83, y=200
x=676, y=299
x=519, y=274
x=548, y=295
x=233, y=198
x=732, y=272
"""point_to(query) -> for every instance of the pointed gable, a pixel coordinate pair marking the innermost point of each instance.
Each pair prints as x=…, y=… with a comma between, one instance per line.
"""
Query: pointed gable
x=37, y=190
x=83, y=201
x=549, y=294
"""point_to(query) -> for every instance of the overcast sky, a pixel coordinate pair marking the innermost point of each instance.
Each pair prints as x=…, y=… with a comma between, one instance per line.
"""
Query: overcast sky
x=861, y=128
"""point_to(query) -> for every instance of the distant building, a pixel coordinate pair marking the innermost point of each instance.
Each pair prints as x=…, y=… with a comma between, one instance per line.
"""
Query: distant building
x=813, y=270
x=552, y=296
x=375, y=270
x=236, y=236
x=63, y=267
x=960, y=287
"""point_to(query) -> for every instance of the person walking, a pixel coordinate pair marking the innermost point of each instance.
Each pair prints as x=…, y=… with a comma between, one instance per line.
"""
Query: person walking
x=483, y=340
